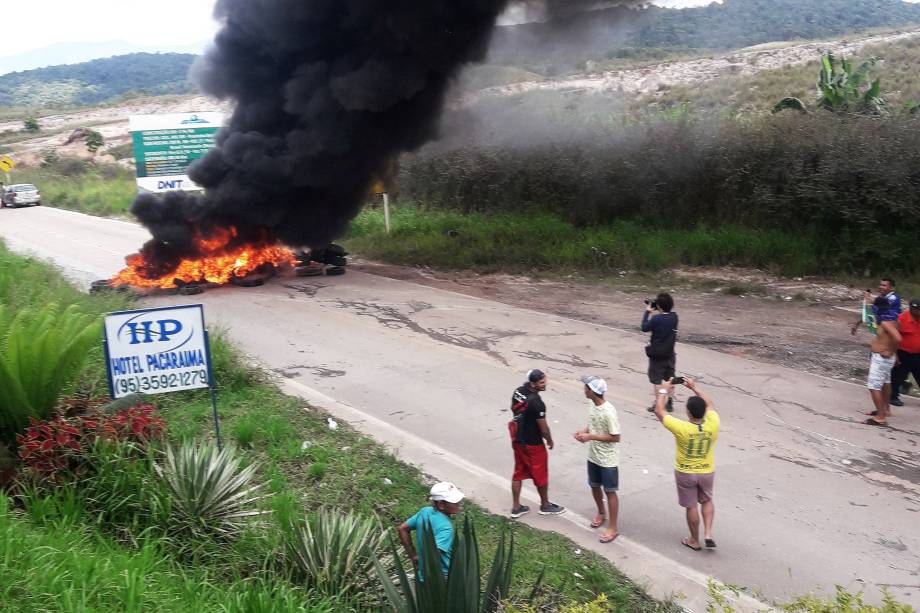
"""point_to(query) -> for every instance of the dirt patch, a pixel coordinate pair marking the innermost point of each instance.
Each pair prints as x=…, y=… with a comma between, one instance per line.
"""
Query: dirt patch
x=800, y=323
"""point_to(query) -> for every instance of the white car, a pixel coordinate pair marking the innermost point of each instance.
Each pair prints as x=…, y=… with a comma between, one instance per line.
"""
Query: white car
x=21, y=194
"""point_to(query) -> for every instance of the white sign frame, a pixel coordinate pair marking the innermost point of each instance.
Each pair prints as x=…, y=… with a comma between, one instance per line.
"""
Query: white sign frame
x=142, y=127
x=166, y=351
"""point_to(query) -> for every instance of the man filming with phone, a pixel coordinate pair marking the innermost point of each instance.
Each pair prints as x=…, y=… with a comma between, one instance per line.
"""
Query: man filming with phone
x=694, y=462
x=662, y=323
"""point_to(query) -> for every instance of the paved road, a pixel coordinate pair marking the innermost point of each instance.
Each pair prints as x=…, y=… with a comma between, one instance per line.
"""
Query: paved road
x=807, y=497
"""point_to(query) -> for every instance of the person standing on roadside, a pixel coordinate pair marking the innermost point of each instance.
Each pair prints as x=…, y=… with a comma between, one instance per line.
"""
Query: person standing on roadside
x=884, y=349
x=885, y=290
x=908, y=361
x=528, y=429
x=694, y=463
x=603, y=438
x=445, y=503
x=660, y=349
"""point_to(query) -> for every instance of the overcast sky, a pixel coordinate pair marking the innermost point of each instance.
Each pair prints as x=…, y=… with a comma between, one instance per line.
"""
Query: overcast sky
x=39, y=23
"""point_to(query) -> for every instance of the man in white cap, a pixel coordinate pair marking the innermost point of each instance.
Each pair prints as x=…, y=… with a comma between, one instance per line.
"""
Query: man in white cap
x=603, y=438
x=445, y=502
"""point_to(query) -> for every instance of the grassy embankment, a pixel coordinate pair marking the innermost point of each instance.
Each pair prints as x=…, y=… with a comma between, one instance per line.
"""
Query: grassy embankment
x=78, y=185
x=57, y=555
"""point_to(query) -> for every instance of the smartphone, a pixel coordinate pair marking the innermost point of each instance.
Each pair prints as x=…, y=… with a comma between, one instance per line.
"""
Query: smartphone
x=677, y=381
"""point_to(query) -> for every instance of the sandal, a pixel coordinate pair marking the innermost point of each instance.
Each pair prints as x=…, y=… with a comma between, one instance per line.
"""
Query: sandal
x=598, y=521
x=608, y=538
x=686, y=543
x=872, y=422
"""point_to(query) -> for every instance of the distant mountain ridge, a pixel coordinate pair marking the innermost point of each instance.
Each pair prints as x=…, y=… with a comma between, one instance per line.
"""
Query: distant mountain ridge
x=79, y=52
x=733, y=24
x=98, y=80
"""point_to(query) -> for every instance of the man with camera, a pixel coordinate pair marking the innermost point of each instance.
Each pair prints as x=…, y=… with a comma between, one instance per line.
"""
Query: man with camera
x=660, y=350
x=694, y=462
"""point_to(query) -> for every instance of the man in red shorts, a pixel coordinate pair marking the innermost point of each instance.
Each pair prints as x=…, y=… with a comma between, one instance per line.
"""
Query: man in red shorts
x=528, y=430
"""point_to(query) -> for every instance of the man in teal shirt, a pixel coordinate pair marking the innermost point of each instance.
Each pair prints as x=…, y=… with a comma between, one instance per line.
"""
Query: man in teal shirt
x=445, y=502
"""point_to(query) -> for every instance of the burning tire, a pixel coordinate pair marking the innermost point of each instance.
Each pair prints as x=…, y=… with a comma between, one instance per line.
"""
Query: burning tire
x=308, y=271
x=334, y=271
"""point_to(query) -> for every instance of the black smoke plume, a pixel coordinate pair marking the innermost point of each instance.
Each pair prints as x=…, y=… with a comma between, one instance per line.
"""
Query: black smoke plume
x=326, y=93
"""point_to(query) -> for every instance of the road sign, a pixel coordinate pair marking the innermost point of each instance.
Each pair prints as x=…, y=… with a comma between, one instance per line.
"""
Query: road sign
x=166, y=145
x=7, y=163
x=156, y=351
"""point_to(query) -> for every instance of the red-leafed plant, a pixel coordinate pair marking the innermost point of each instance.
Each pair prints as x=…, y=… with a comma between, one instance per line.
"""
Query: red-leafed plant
x=55, y=448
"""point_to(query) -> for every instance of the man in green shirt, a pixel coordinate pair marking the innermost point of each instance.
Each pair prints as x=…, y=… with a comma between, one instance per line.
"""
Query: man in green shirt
x=603, y=438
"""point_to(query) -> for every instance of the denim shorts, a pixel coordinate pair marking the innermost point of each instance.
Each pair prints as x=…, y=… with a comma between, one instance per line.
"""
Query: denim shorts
x=607, y=476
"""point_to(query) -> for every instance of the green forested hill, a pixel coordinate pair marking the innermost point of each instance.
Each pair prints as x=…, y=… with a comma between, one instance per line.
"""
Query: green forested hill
x=730, y=25
x=98, y=80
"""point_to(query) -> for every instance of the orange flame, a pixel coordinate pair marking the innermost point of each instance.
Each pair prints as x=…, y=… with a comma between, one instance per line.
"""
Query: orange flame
x=218, y=264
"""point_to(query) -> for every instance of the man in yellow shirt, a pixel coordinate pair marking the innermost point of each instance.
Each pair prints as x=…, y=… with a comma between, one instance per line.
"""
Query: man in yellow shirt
x=694, y=466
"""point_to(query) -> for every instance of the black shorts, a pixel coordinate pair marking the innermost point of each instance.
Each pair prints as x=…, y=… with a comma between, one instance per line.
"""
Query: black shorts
x=661, y=369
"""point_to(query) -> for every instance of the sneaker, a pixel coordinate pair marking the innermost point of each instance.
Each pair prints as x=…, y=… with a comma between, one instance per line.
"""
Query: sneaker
x=651, y=409
x=521, y=510
x=896, y=402
x=552, y=509
x=670, y=406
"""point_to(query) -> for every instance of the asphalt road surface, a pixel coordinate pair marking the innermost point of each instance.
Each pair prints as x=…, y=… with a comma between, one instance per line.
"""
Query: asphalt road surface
x=806, y=496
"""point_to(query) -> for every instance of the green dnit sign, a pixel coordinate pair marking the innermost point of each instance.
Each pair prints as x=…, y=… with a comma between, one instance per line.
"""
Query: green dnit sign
x=170, y=152
x=166, y=145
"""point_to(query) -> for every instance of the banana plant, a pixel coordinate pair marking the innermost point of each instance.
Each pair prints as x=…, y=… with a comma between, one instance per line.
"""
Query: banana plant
x=461, y=590
x=843, y=90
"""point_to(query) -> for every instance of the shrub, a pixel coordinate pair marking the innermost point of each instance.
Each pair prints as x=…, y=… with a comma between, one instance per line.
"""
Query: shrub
x=333, y=553
x=211, y=494
x=94, y=141
x=56, y=448
x=30, y=124
x=462, y=590
x=43, y=352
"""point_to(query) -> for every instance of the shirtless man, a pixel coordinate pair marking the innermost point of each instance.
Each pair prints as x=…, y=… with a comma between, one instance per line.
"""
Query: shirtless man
x=884, y=349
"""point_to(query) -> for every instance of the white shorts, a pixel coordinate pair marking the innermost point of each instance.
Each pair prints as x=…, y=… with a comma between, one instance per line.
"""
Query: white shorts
x=879, y=371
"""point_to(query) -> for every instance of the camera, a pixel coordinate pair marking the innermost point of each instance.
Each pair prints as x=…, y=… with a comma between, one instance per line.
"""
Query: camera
x=677, y=381
x=652, y=303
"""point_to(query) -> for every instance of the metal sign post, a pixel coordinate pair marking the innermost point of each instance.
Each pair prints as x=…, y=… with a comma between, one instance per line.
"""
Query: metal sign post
x=157, y=351
x=386, y=211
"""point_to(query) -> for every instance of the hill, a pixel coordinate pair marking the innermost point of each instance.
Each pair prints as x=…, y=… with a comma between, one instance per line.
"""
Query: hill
x=98, y=80
x=613, y=32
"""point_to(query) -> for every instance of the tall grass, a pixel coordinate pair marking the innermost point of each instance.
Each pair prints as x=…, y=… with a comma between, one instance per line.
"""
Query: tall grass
x=520, y=242
x=103, y=190
x=64, y=568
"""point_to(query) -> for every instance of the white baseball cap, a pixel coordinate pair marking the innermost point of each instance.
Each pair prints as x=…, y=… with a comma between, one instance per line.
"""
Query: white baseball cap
x=596, y=384
x=445, y=491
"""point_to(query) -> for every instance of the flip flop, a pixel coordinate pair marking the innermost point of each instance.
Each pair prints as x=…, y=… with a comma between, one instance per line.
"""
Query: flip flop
x=689, y=546
x=873, y=413
x=872, y=422
x=597, y=523
x=711, y=544
x=606, y=538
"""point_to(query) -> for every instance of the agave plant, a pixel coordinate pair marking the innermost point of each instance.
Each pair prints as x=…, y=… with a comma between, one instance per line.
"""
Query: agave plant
x=211, y=493
x=461, y=591
x=41, y=352
x=333, y=554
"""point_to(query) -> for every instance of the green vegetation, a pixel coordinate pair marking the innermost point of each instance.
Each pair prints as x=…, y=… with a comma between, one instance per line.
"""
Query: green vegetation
x=544, y=241
x=97, y=81
x=119, y=526
x=843, y=91
x=81, y=185
x=94, y=141
x=756, y=94
x=30, y=124
x=642, y=194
